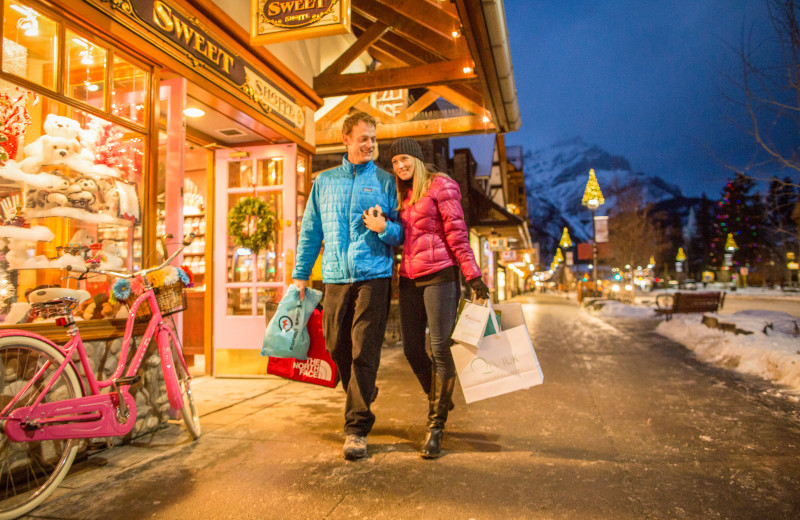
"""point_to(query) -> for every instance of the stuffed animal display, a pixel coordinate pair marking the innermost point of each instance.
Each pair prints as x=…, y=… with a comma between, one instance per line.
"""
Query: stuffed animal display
x=61, y=175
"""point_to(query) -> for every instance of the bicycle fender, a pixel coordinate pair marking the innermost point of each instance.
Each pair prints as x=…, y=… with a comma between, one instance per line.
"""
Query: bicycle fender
x=33, y=335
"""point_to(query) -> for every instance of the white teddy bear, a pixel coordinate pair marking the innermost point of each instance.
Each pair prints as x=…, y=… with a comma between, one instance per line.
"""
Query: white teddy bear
x=18, y=252
x=111, y=256
x=58, y=145
x=81, y=238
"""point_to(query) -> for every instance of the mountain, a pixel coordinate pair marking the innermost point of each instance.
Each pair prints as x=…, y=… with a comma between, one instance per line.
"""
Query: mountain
x=555, y=179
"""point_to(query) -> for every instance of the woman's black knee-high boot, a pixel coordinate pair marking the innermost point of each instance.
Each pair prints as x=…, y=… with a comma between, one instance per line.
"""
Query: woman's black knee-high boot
x=439, y=404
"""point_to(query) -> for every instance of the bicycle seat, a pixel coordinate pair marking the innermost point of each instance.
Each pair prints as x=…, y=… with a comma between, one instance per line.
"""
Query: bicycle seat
x=53, y=293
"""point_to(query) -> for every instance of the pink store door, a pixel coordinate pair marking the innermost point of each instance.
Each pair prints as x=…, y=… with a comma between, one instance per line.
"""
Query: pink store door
x=245, y=280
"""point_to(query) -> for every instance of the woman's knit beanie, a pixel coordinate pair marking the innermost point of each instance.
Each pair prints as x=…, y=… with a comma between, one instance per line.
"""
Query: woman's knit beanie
x=406, y=146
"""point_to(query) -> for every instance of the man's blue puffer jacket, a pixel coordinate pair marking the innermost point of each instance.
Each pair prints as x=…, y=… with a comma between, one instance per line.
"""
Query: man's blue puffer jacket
x=352, y=252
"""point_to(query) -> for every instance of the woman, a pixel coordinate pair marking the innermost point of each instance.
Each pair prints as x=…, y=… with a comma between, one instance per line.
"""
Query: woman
x=436, y=244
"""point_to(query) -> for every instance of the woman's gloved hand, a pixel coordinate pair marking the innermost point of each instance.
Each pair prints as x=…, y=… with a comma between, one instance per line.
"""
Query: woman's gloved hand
x=480, y=289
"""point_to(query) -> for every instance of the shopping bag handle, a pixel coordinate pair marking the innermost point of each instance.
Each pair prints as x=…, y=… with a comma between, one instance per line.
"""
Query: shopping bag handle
x=492, y=316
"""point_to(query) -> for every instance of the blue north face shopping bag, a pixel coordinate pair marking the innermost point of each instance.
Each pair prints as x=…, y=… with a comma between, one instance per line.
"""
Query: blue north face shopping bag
x=287, y=336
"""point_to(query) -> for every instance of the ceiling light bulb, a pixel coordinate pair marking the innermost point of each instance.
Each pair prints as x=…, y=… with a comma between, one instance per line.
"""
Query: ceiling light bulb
x=86, y=57
x=194, y=112
x=486, y=119
x=467, y=69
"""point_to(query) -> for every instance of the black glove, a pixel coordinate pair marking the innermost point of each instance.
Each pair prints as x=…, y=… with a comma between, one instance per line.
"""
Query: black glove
x=479, y=288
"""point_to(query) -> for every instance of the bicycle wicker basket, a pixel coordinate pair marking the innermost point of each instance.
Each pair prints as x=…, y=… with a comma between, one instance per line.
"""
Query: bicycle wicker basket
x=171, y=298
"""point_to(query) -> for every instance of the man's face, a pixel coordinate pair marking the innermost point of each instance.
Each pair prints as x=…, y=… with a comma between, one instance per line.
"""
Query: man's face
x=360, y=143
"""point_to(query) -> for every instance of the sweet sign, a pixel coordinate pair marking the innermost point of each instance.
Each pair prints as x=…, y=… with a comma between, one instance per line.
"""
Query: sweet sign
x=186, y=38
x=283, y=20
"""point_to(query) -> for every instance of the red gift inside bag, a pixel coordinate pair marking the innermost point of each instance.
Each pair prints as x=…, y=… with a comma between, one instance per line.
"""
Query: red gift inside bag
x=318, y=369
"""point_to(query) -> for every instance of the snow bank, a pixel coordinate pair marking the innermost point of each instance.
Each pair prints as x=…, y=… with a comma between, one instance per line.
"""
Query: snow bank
x=774, y=356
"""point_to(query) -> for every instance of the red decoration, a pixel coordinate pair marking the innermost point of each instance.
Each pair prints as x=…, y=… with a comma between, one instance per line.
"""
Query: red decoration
x=14, y=119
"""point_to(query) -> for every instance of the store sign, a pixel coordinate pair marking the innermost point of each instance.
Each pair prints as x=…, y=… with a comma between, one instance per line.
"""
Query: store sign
x=391, y=102
x=177, y=27
x=508, y=255
x=498, y=243
x=193, y=44
x=285, y=20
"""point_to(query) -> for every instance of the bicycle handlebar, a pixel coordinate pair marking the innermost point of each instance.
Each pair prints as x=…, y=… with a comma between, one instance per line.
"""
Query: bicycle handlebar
x=186, y=241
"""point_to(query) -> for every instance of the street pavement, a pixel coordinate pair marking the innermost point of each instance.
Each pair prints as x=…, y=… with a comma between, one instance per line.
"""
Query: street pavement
x=627, y=425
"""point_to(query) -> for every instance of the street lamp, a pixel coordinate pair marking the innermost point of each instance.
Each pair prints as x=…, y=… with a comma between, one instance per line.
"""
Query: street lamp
x=593, y=199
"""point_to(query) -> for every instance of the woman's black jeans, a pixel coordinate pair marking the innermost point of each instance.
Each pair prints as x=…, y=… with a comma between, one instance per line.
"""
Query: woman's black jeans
x=434, y=306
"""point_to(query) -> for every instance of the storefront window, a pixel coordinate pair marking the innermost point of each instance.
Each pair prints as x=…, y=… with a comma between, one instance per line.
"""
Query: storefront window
x=73, y=193
x=70, y=179
x=86, y=70
x=128, y=90
x=30, y=44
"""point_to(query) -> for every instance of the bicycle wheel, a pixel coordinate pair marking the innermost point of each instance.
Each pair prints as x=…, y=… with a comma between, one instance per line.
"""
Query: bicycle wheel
x=30, y=471
x=188, y=411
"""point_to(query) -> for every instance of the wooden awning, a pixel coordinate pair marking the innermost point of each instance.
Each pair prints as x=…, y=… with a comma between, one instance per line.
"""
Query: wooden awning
x=430, y=74
x=486, y=217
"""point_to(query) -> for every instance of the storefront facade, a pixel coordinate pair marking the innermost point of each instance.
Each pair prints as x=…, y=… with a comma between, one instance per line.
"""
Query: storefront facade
x=102, y=157
x=179, y=121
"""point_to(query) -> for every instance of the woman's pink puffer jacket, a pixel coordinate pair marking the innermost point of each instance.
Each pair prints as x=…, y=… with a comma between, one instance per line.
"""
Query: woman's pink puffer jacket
x=436, y=235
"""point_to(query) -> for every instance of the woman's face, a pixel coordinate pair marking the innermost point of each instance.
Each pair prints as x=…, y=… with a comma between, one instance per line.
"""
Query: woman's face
x=403, y=166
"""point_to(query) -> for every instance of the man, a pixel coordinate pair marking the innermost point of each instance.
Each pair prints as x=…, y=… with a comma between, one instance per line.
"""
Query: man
x=356, y=268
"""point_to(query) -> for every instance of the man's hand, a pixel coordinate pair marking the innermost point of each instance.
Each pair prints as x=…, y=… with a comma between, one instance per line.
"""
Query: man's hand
x=375, y=219
x=301, y=284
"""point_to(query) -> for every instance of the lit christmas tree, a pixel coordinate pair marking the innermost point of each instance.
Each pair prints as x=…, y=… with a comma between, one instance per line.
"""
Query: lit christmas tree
x=740, y=216
x=730, y=243
x=592, y=192
x=566, y=241
x=681, y=257
x=559, y=256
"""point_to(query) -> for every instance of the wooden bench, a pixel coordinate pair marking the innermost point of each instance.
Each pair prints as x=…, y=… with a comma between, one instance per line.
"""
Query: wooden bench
x=685, y=302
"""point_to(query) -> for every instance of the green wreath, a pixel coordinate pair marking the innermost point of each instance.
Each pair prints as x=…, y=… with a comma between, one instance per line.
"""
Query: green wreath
x=251, y=224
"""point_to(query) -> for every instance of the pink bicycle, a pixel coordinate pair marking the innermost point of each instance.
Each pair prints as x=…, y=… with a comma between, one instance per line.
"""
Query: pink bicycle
x=47, y=407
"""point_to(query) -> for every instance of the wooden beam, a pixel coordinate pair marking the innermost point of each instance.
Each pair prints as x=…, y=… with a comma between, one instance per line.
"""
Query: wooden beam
x=429, y=129
x=409, y=28
x=419, y=105
x=367, y=38
x=340, y=109
x=432, y=17
x=459, y=100
x=439, y=73
x=386, y=58
x=407, y=50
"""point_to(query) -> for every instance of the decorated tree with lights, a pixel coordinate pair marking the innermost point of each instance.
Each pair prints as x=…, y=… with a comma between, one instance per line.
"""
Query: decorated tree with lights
x=566, y=241
x=740, y=214
x=592, y=191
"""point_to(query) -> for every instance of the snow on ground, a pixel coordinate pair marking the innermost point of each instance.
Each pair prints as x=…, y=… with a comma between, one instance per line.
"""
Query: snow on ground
x=771, y=350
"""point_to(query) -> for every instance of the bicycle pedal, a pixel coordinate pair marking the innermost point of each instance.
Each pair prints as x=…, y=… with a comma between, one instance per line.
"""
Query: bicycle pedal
x=131, y=380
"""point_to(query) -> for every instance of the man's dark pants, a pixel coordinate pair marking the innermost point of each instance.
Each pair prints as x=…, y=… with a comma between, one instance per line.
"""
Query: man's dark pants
x=354, y=320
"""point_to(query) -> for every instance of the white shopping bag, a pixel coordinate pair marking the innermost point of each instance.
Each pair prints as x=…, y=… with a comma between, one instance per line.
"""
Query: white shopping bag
x=505, y=362
x=471, y=324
